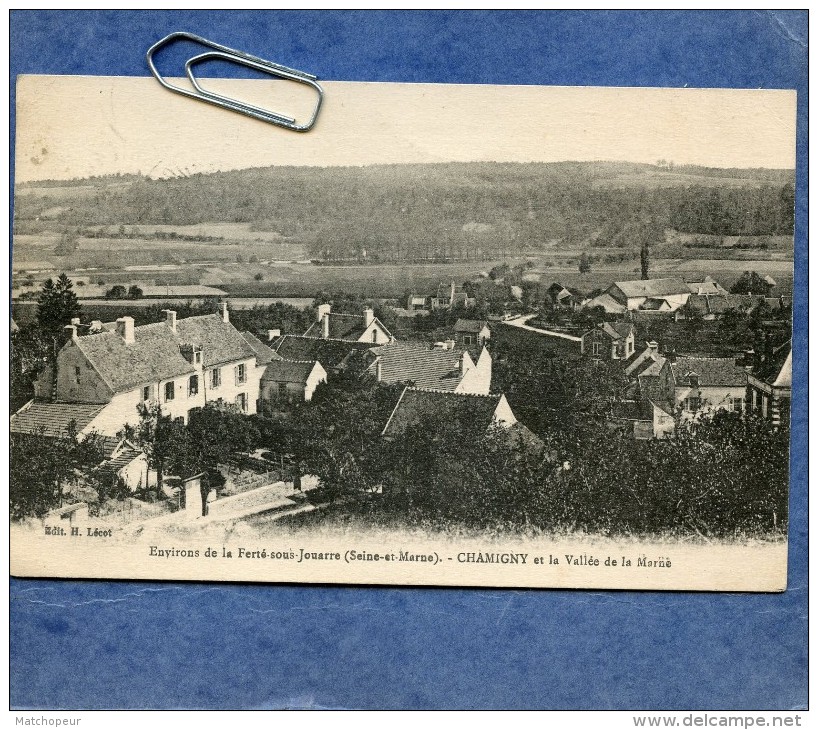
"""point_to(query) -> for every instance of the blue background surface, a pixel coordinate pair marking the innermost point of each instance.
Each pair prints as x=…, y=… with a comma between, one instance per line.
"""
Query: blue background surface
x=90, y=644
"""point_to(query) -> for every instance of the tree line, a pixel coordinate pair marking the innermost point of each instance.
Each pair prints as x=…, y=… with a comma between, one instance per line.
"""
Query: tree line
x=440, y=212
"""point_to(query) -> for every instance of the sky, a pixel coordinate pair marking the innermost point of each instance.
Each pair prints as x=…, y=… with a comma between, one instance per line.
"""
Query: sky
x=78, y=126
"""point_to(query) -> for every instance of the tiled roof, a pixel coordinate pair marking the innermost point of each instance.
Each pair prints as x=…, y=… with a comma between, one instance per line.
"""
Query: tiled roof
x=607, y=302
x=220, y=341
x=288, y=371
x=53, y=419
x=469, y=325
x=707, y=287
x=154, y=355
x=616, y=330
x=652, y=287
x=712, y=371
x=777, y=369
x=464, y=411
x=402, y=362
x=330, y=353
x=125, y=456
x=264, y=353
x=343, y=327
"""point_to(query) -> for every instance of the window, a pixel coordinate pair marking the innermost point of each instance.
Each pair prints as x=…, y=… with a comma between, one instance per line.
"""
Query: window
x=693, y=404
x=374, y=335
x=241, y=374
x=738, y=404
x=169, y=390
x=468, y=339
x=241, y=401
x=282, y=390
x=215, y=377
x=77, y=374
x=146, y=393
x=597, y=349
x=197, y=358
x=193, y=385
x=629, y=349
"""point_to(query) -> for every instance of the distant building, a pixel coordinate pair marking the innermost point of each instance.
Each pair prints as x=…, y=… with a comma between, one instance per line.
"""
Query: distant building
x=471, y=332
x=563, y=297
x=707, y=384
x=364, y=327
x=609, y=341
x=660, y=294
x=707, y=287
x=605, y=302
x=447, y=296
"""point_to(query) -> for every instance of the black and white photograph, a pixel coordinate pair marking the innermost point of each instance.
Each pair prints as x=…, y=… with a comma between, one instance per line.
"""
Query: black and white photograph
x=454, y=335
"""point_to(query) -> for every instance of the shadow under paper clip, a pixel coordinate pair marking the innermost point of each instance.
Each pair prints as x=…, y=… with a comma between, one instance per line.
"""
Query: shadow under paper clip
x=223, y=53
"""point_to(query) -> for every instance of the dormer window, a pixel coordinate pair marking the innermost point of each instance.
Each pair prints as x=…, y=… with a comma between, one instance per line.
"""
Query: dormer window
x=197, y=357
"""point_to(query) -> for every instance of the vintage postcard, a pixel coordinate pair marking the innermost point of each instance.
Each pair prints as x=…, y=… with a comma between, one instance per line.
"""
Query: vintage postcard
x=454, y=335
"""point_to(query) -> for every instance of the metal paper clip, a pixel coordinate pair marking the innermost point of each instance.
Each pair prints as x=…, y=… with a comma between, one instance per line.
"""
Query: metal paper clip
x=224, y=53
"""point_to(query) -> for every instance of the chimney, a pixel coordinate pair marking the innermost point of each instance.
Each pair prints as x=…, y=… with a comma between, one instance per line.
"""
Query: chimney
x=322, y=310
x=71, y=331
x=170, y=319
x=75, y=321
x=653, y=347
x=369, y=317
x=378, y=372
x=449, y=344
x=124, y=328
x=225, y=313
x=96, y=326
x=273, y=334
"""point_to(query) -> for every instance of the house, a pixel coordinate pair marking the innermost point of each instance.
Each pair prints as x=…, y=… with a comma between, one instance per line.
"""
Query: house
x=769, y=383
x=648, y=409
x=289, y=381
x=283, y=381
x=441, y=368
x=467, y=412
x=708, y=287
x=334, y=355
x=707, y=384
x=125, y=462
x=471, y=332
x=364, y=327
x=609, y=341
x=179, y=365
x=563, y=297
x=651, y=375
x=605, y=302
x=667, y=294
x=644, y=419
x=447, y=296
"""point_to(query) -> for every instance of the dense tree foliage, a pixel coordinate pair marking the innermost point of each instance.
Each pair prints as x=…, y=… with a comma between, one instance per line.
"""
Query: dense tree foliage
x=57, y=305
x=40, y=467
